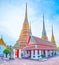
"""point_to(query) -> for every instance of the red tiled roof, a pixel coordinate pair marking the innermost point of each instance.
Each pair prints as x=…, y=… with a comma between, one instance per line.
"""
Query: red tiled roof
x=41, y=44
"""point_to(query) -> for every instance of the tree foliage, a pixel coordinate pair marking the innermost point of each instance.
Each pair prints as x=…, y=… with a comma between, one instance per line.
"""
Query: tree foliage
x=7, y=51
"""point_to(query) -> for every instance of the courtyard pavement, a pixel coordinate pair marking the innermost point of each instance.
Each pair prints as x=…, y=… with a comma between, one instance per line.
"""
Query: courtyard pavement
x=50, y=61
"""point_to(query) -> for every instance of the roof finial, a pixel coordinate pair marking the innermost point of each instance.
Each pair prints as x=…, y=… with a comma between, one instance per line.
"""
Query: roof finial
x=26, y=19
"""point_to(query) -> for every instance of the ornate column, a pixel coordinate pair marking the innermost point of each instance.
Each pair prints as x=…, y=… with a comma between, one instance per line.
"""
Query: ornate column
x=14, y=53
x=46, y=53
x=31, y=54
x=50, y=52
x=36, y=54
x=20, y=53
x=40, y=53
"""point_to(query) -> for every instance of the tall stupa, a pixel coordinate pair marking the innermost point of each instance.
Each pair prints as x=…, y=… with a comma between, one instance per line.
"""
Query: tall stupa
x=25, y=32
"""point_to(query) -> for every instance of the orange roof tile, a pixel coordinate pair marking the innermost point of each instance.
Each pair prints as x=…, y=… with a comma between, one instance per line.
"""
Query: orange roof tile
x=2, y=42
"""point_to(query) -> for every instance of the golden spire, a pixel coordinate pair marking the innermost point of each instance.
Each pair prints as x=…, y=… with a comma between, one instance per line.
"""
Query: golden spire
x=25, y=32
x=26, y=24
x=44, y=36
x=53, y=38
x=26, y=18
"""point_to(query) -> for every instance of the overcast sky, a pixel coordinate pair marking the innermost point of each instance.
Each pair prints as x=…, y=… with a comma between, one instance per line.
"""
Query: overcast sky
x=12, y=14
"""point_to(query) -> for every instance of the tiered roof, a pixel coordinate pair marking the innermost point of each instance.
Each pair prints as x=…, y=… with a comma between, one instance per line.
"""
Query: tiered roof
x=2, y=42
x=38, y=43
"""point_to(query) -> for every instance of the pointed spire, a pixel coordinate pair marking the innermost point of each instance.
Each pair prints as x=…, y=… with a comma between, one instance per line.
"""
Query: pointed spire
x=44, y=36
x=52, y=38
x=52, y=31
x=43, y=23
x=26, y=18
x=44, y=32
x=26, y=23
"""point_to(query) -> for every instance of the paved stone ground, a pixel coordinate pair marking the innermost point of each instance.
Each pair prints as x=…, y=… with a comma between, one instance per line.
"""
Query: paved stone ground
x=51, y=61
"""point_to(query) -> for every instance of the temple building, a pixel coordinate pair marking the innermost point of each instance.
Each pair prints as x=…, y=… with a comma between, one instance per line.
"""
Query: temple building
x=29, y=46
x=2, y=46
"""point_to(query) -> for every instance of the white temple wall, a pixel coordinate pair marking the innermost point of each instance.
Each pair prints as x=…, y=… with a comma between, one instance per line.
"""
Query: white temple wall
x=36, y=55
x=20, y=53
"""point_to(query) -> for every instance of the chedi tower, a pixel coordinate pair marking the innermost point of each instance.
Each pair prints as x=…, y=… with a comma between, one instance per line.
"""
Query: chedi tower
x=25, y=32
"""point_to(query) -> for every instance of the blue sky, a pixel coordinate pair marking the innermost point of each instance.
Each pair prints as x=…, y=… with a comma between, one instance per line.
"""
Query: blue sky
x=12, y=14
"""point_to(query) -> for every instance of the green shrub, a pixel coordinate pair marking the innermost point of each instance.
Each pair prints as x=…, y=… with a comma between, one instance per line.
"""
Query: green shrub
x=42, y=55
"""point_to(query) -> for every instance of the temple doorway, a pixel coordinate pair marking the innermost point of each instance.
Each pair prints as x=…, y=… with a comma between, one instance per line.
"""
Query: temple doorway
x=17, y=53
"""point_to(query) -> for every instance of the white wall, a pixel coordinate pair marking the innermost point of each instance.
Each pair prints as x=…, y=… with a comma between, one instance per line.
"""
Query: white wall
x=36, y=56
x=20, y=53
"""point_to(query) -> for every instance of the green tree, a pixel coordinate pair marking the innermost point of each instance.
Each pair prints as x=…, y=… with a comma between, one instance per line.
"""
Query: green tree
x=7, y=51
